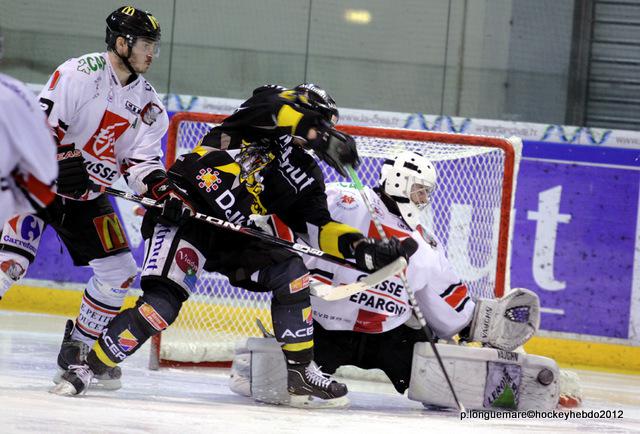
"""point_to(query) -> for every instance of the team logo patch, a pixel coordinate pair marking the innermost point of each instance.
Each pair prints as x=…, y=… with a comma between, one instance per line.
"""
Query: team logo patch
x=209, y=179
x=307, y=315
x=110, y=232
x=299, y=284
x=347, y=201
x=153, y=317
x=187, y=260
x=518, y=314
x=150, y=113
x=127, y=340
x=101, y=143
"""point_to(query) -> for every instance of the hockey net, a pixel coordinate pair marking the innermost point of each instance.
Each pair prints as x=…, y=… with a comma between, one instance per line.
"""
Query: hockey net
x=470, y=214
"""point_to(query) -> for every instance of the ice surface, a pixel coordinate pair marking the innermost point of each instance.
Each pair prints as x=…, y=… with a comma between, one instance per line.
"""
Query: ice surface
x=198, y=400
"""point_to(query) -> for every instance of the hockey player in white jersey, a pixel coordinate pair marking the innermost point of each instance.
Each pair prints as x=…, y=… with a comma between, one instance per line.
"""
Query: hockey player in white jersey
x=108, y=122
x=28, y=165
x=372, y=329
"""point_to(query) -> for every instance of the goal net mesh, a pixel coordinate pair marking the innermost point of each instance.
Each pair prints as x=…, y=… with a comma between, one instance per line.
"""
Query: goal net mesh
x=467, y=214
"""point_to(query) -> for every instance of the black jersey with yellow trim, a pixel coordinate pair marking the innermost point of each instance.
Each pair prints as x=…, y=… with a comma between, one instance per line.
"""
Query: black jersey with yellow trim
x=266, y=171
x=271, y=112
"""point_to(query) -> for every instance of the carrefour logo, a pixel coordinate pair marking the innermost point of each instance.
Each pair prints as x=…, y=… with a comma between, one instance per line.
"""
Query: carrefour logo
x=30, y=229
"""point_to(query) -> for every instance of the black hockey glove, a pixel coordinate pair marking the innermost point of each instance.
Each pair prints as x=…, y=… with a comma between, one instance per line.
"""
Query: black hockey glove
x=73, y=179
x=176, y=209
x=337, y=150
x=374, y=254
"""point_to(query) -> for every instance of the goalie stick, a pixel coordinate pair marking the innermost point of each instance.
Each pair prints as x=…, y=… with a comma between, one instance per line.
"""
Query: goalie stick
x=334, y=293
x=412, y=298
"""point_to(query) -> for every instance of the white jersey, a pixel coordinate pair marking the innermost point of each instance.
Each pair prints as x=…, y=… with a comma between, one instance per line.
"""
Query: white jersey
x=28, y=152
x=117, y=128
x=442, y=296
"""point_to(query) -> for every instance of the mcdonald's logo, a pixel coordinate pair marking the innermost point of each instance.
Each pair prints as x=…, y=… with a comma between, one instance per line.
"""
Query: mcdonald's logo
x=154, y=21
x=128, y=10
x=110, y=232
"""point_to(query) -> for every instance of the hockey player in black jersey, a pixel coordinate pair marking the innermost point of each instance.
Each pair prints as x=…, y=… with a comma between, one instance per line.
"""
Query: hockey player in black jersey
x=256, y=162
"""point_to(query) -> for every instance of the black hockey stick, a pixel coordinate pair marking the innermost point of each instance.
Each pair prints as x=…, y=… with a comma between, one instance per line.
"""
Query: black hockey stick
x=223, y=224
x=412, y=297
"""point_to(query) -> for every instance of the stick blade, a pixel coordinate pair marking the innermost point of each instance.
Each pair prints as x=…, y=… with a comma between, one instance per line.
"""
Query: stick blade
x=332, y=293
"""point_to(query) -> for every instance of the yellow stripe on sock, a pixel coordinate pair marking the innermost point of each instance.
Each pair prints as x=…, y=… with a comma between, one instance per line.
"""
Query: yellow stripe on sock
x=300, y=346
x=102, y=356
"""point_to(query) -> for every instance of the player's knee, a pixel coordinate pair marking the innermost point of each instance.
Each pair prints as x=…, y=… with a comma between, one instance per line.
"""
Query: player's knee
x=117, y=272
x=289, y=281
x=159, y=306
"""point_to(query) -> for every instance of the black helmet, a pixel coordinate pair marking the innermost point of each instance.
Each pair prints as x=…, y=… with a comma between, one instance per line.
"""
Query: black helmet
x=319, y=99
x=131, y=23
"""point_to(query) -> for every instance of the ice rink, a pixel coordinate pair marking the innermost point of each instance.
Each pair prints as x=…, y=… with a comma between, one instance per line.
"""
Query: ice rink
x=198, y=400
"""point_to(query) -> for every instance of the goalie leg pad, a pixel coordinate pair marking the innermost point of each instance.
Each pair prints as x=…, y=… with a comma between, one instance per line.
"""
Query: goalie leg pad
x=484, y=378
x=508, y=322
x=259, y=370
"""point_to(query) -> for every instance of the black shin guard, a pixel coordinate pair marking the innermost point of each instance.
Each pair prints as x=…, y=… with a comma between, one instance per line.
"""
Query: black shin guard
x=153, y=312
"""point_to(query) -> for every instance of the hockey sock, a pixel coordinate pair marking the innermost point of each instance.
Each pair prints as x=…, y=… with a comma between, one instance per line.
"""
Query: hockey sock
x=293, y=326
x=100, y=304
x=132, y=327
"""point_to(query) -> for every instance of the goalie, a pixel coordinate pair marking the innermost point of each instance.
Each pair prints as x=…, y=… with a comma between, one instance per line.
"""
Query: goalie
x=372, y=329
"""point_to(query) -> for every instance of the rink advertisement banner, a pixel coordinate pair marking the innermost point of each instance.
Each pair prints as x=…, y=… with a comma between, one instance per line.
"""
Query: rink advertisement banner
x=574, y=243
x=526, y=130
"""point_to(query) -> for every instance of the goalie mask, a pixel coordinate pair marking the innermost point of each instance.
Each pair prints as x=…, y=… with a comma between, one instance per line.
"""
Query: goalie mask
x=409, y=179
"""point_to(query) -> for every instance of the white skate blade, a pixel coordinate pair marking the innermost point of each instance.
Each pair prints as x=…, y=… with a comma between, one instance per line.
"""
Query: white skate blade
x=311, y=402
x=64, y=388
x=96, y=383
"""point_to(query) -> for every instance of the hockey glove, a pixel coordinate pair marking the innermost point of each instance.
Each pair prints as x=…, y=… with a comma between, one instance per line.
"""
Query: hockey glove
x=337, y=150
x=374, y=254
x=176, y=209
x=73, y=179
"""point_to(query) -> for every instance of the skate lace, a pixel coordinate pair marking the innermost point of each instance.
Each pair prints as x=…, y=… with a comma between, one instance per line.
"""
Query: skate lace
x=316, y=377
x=82, y=372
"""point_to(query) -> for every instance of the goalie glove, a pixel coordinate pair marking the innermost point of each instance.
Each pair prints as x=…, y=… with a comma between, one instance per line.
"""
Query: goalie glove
x=73, y=179
x=373, y=254
x=336, y=149
x=176, y=209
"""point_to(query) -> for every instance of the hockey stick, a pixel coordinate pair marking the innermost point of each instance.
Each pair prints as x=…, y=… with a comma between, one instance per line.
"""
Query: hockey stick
x=332, y=293
x=223, y=224
x=412, y=297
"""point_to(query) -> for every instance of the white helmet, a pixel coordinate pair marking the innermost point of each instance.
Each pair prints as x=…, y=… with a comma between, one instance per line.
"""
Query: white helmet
x=409, y=179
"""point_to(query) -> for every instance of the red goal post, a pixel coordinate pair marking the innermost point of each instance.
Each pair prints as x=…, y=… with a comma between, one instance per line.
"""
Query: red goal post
x=471, y=215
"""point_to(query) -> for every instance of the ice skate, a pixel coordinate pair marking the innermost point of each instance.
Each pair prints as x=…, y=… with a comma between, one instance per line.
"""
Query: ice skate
x=75, y=381
x=311, y=388
x=75, y=353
